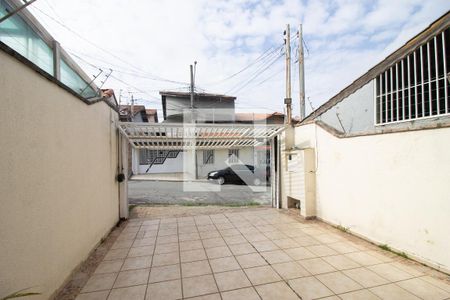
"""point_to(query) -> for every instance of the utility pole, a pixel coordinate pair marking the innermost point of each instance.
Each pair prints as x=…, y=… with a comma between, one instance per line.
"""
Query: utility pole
x=192, y=93
x=288, y=99
x=132, y=108
x=301, y=72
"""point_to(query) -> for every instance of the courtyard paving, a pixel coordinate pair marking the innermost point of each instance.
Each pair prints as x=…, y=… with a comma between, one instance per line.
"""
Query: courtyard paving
x=251, y=253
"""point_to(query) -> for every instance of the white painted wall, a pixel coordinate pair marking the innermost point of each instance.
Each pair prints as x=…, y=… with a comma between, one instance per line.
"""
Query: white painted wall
x=220, y=157
x=171, y=165
x=390, y=188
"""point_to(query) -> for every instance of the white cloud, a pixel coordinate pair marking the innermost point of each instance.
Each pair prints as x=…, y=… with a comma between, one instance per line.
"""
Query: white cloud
x=345, y=38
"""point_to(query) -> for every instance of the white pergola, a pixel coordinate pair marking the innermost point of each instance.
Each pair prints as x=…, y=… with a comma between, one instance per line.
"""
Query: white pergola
x=169, y=136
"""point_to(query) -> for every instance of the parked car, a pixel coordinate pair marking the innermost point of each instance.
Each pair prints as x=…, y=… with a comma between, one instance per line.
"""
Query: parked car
x=246, y=174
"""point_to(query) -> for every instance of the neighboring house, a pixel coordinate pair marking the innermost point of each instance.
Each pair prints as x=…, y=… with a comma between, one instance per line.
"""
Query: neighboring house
x=375, y=158
x=152, y=115
x=60, y=159
x=139, y=113
x=209, y=108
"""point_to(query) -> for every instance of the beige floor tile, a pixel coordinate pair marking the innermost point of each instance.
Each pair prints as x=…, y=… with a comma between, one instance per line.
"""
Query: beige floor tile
x=193, y=255
x=255, y=237
x=359, y=295
x=167, y=290
x=343, y=247
x=338, y=282
x=363, y=258
x=206, y=228
x=392, y=292
x=444, y=285
x=200, y=285
x=234, y=239
x=133, y=263
x=341, y=262
x=132, y=277
x=207, y=297
x=109, y=266
x=290, y=270
x=365, y=277
x=116, y=254
x=122, y=244
x=188, y=237
x=251, y=260
x=93, y=296
x=286, y=243
x=164, y=273
x=423, y=289
x=262, y=275
x=309, y=288
x=99, y=282
x=241, y=294
x=276, y=291
x=166, y=248
x=306, y=241
x=240, y=249
x=390, y=272
x=167, y=239
x=299, y=253
x=167, y=232
x=275, y=257
x=265, y=246
x=218, y=252
x=196, y=268
x=409, y=267
x=191, y=245
x=141, y=251
x=209, y=234
x=129, y=293
x=231, y=280
x=214, y=242
x=224, y=264
x=187, y=229
x=316, y=266
x=165, y=259
x=229, y=232
x=384, y=256
x=144, y=242
x=275, y=235
x=321, y=250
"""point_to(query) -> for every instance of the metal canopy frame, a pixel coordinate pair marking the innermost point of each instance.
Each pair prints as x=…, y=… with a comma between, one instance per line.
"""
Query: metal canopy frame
x=170, y=136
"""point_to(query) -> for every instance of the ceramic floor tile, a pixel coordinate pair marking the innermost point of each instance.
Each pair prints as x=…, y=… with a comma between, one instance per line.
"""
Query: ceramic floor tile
x=309, y=288
x=234, y=239
x=195, y=268
x=262, y=275
x=200, y=285
x=390, y=272
x=129, y=293
x=277, y=256
x=392, y=292
x=164, y=273
x=165, y=259
x=359, y=295
x=290, y=270
x=140, y=262
x=363, y=258
x=94, y=296
x=338, y=282
x=132, y=277
x=116, y=254
x=109, y=266
x=167, y=290
x=166, y=248
x=251, y=260
x=341, y=262
x=423, y=289
x=191, y=245
x=218, y=252
x=316, y=266
x=276, y=291
x=100, y=282
x=224, y=264
x=265, y=246
x=141, y=251
x=299, y=253
x=241, y=294
x=231, y=280
x=193, y=255
x=286, y=243
x=214, y=242
x=239, y=249
x=365, y=277
x=321, y=250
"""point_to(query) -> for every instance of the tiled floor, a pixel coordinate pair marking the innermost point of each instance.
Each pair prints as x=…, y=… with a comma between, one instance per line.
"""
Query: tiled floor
x=253, y=254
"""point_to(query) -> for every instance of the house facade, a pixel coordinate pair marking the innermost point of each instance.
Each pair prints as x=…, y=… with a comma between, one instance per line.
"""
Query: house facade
x=209, y=108
x=374, y=158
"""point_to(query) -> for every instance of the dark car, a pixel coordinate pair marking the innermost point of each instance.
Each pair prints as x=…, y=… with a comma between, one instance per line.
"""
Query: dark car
x=246, y=174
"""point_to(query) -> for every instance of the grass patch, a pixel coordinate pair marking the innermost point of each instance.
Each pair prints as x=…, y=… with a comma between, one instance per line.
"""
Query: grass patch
x=342, y=228
x=385, y=247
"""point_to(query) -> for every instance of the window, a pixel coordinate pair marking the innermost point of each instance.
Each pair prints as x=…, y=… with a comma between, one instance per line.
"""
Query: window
x=233, y=155
x=416, y=86
x=208, y=157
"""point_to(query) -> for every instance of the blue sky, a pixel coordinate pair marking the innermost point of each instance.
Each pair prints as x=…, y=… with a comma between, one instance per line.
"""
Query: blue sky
x=144, y=41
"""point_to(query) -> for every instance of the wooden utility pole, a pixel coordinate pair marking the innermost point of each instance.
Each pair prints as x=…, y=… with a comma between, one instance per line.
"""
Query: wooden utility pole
x=288, y=99
x=301, y=72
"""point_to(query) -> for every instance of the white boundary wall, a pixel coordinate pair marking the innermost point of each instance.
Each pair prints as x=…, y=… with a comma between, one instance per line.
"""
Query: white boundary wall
x=389, y=188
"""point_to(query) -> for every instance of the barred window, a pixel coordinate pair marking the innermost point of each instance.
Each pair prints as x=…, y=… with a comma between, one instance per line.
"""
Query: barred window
x=233, y=155
x=208, y=157
x=416, y=86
